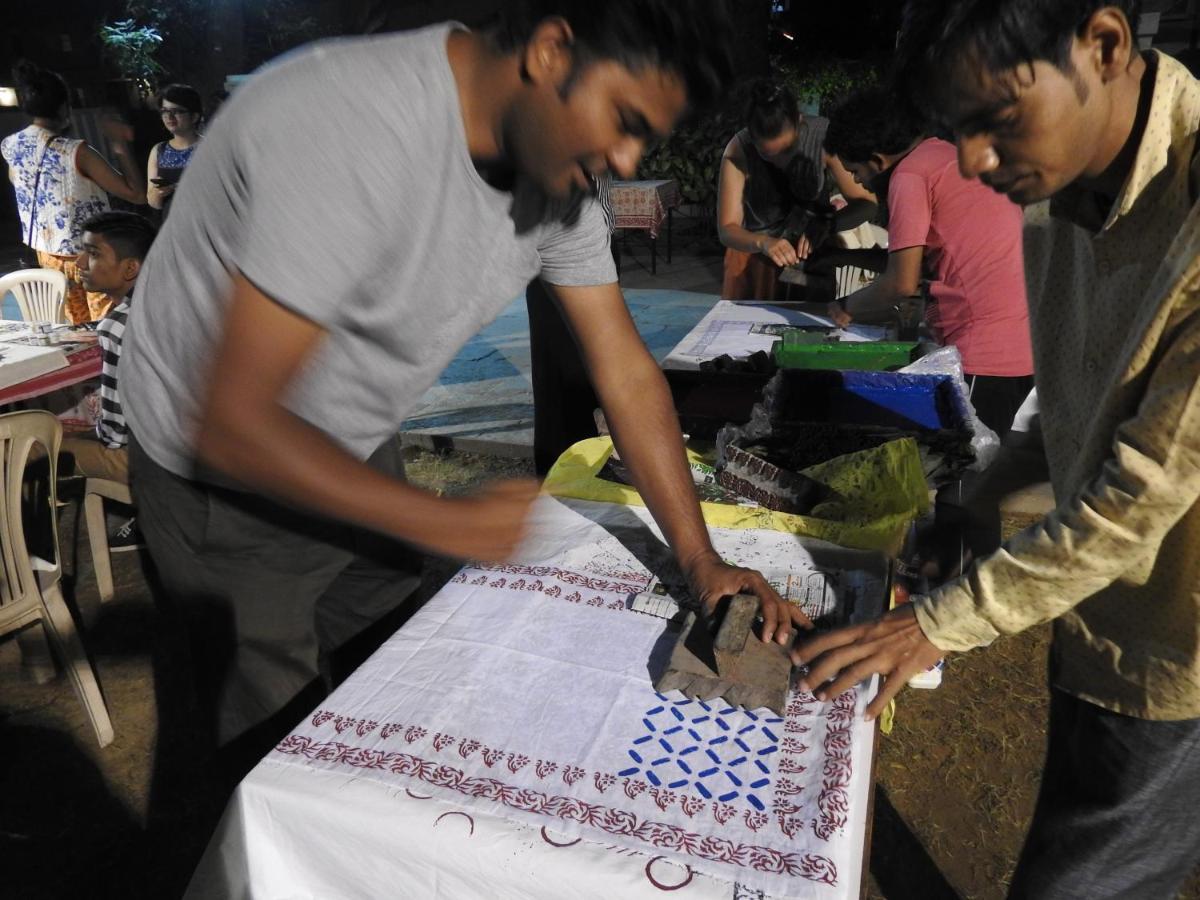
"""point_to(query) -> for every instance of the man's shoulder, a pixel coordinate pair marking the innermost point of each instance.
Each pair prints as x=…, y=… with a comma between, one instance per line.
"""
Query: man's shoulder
x=362, y=66
x=930, y=156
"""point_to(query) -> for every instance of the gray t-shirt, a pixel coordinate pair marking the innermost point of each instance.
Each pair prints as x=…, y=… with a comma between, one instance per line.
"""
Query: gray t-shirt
x=338, y=180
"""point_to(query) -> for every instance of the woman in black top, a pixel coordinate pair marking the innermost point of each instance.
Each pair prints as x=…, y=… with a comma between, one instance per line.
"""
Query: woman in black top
x=774, y=193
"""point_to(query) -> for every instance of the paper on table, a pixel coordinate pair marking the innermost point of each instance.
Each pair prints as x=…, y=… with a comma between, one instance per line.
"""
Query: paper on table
x=19, y=362
x=740, y=329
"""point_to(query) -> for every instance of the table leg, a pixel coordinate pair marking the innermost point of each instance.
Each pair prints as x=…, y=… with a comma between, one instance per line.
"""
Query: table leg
x=653, y=255
x=670, y=215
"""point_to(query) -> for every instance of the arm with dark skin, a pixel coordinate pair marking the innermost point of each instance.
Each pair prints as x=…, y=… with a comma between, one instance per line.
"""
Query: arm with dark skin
x=730, y=217
x=860, y=203
x=246, y=433
x=128, y=183
x=875, y=302
x=637, y=405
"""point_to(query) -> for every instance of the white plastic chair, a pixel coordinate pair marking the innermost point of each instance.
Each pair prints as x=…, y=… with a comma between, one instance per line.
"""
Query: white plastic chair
x=31, y=599
x=94, y=492
x=41, y=294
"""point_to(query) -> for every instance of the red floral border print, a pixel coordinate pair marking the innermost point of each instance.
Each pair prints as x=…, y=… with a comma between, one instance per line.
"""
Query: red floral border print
x=834, y=800
x=837, y=768
x=809, y=866
x=575, y=579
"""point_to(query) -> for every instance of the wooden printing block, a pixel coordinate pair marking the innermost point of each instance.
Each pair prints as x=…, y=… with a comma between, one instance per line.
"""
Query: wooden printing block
x=734, y=664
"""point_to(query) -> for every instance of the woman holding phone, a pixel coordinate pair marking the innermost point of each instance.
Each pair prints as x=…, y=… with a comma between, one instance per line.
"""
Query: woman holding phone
x=182, y=112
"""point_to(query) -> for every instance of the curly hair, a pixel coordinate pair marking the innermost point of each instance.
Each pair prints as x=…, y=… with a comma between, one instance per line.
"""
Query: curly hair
x=871, y=121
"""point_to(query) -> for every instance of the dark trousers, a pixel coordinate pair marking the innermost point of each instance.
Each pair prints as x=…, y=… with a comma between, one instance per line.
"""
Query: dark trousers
x=265, y=594
x=996, y=399
x=1118, y=814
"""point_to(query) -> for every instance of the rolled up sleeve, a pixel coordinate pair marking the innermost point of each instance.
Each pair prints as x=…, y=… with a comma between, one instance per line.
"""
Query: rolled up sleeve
x=1150, y=481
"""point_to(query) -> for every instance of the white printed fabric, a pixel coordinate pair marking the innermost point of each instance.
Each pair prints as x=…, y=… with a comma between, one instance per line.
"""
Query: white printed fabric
x=525, y=691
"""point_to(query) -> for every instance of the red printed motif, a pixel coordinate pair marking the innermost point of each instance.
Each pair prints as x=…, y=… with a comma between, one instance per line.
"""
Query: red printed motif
x=834, y=800
x=633, y=583
x=659, y=835
x=467, y=747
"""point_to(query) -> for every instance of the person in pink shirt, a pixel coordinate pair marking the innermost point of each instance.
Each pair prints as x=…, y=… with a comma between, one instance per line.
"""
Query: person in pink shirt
x=959, y=236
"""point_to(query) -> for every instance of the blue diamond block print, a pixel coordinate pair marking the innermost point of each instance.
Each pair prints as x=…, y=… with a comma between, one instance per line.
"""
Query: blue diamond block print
x=716, y=751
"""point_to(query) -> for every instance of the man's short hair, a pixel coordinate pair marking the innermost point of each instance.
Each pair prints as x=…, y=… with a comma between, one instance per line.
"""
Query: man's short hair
x=691, y=38
x=939, y=36
x=871, y=121
x=130, y=234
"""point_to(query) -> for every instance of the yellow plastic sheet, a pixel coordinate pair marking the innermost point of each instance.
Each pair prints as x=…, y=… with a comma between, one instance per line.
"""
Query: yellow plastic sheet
x=882, y=490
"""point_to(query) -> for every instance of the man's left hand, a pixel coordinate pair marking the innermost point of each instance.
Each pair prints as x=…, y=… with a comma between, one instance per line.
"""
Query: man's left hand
x=711, y=579
x=892, y=646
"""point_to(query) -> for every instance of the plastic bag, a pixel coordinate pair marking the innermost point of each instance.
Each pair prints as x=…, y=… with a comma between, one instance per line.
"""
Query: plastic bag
x=947, y=361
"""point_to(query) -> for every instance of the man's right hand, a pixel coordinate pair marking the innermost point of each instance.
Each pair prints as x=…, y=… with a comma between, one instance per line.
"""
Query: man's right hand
x=487, y=526
x=838, y=315
x=780, y=251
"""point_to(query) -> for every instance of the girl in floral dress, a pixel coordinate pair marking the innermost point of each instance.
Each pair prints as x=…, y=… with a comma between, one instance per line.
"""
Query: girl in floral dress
x=61, y=182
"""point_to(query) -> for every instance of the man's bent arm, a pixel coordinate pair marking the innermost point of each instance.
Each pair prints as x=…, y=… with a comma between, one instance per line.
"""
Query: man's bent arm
x=637, y=405
x=1114, y=524
x=900, y=280
x=245, y=432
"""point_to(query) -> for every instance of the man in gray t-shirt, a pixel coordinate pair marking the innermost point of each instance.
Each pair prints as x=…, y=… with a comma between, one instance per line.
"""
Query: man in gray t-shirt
x=357, y=212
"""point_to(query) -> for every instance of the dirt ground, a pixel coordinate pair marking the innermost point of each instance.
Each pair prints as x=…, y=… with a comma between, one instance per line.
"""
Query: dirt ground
x=956, y=778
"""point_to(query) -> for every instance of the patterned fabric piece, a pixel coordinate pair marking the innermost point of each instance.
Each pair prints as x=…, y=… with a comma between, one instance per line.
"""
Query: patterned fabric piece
x=720, y=752
x=65, y=197
x=1115, y=315
x=170, y=158
x=643, y=204
x=524, y=691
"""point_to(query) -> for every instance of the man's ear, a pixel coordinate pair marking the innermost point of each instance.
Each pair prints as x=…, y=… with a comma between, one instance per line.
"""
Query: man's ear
x=878, y=161
x=131, y=268
x=1109, y=42
x=547, y=57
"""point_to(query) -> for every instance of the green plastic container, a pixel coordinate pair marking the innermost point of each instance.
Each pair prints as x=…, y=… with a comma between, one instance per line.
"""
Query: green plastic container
x=874, y=356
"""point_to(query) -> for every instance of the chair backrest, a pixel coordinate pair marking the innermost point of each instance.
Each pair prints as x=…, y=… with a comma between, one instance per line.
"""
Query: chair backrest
x=41, y=294
x=19, y=431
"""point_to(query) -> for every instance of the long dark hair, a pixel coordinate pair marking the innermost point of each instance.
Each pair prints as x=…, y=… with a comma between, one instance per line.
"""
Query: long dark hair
x=41, y=93
x=772, y=108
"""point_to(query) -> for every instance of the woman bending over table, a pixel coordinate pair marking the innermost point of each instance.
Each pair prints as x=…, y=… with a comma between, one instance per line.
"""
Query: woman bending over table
x=773, y=198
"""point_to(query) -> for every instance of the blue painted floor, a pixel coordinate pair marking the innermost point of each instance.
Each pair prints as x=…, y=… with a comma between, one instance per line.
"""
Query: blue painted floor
x=484, y=401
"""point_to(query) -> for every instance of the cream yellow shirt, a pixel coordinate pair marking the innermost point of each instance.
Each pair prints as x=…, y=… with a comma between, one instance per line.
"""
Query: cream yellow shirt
x=1115, y=318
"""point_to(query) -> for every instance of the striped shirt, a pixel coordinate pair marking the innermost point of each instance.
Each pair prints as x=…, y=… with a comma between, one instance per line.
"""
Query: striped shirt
x=111, y=428
x=603, y=185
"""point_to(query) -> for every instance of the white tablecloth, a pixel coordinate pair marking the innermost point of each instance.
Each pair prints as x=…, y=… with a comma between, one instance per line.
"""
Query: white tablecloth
x=508, y=742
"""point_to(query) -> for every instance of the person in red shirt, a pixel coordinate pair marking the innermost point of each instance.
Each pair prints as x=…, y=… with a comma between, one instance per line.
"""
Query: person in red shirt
x=958, y=235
